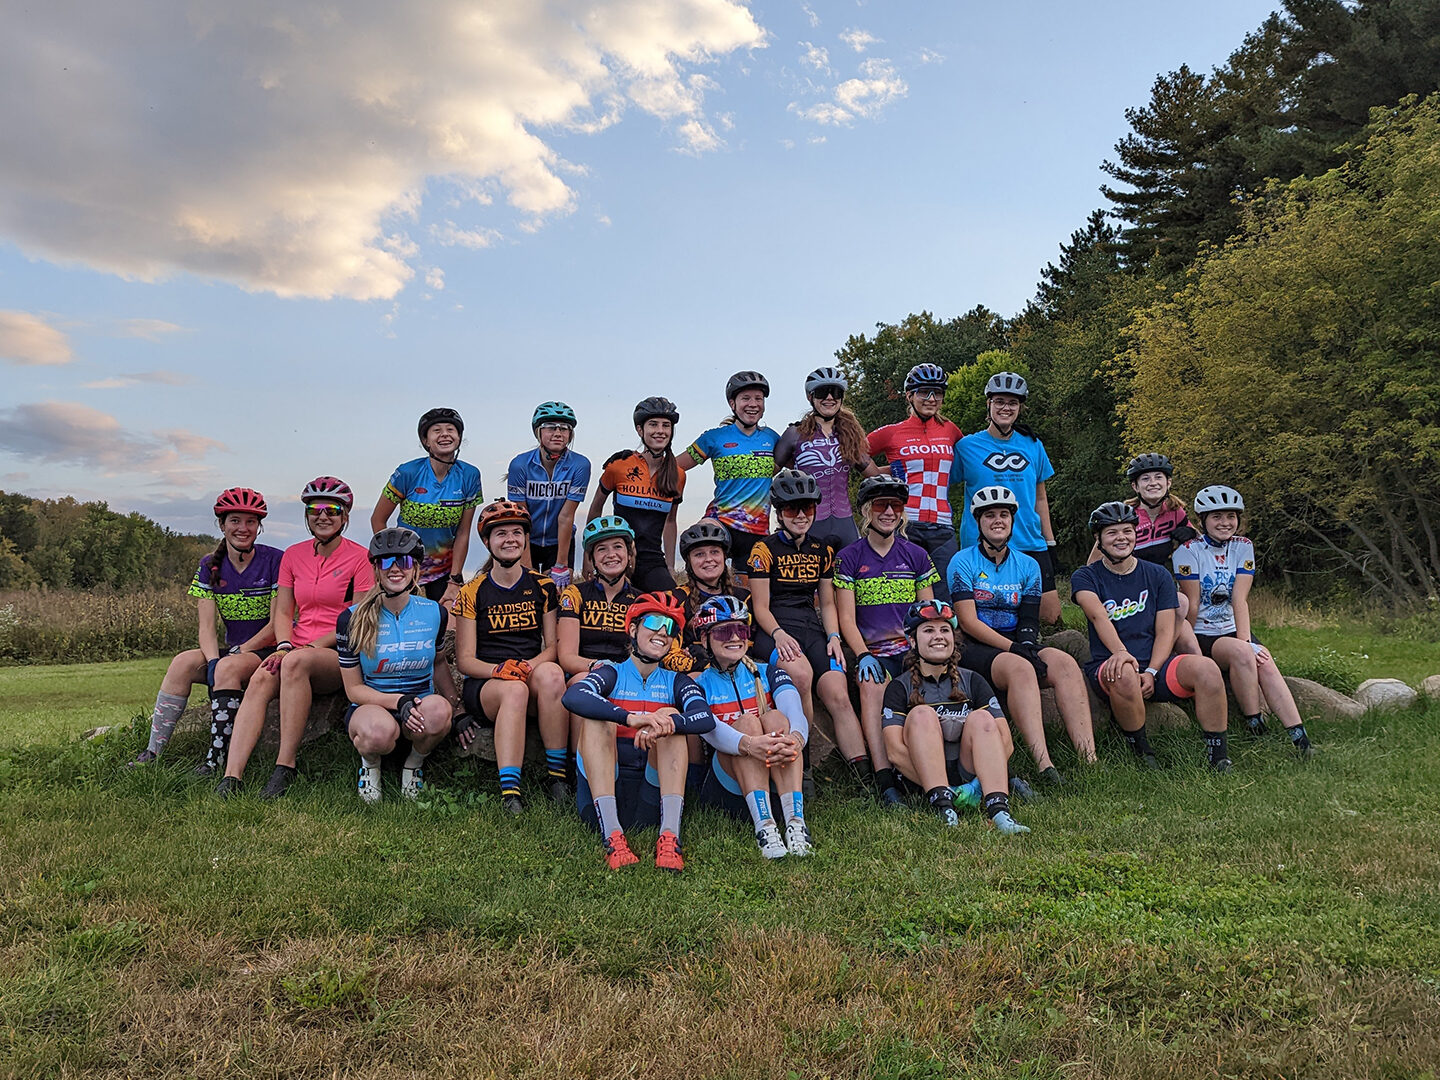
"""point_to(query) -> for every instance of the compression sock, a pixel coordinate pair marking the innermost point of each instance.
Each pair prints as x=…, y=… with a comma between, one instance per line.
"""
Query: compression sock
x=1300, y=737
x=1217, y=745
x=555, y=763
x=941, y=797
x=792, y=803
x=1256, y=724
x=861, y=765
x=413, y=760
x=670, y=807
x=168, y=708
x=995, y=802
x=509, y=780
x=759, y=803
x=884, y=780
x=608, y=816
x=1139, y=741
x=224, y=704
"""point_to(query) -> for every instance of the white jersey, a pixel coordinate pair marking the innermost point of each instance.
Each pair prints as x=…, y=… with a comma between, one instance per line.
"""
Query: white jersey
x=1215, y=567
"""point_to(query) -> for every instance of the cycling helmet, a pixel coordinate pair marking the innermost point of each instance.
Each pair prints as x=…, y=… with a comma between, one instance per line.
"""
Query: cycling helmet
x=1112, y=513
x=825, y=376
x=552, y=412
x=987, y=497
x=925, y=376
x=329, y=487
x=881, y=487
x=440, y=416
x=659, y=603
x=1148, y=463
x=603, y=528
x=1007, y=382
x=923, y=611
x=704, y=531
x=399, y=541
x=793, y=486
x=746, y=380
x=501, y=512
x=656, y=408
x=240, y=501
x=720, y=609
x=1217, y=497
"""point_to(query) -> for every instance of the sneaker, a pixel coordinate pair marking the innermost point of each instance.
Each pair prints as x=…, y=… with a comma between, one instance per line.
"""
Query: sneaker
x=369, y=784
x=947, y=814
x=279, y=782
x=412, y=782
x=891, y=799
x=1007, y=825
x=561, y=793
x=968, y=794
x=512, y=805
x=1224, y=765
x=228, y=786
x=667, y=853
x=617, y=851
x=1151, y=762
x=1051, y=777
x=767, y=838
x=144, y=757
x=1021, y=790
x=797, y=838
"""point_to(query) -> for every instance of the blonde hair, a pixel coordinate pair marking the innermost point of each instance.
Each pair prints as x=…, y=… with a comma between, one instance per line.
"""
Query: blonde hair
x=365, y=618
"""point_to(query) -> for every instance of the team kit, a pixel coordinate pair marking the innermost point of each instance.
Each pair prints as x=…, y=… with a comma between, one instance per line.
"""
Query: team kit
x=659, y=665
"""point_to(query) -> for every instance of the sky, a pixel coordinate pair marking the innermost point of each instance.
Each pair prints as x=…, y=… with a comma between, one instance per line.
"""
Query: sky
x=247, y=244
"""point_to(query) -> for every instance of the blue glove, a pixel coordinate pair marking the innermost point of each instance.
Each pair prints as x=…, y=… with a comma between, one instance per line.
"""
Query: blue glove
x=868, y=669
x=210, y=666
x=560, y=575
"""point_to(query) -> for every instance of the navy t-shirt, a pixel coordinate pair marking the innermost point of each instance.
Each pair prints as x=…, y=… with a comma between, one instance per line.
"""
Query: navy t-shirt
x=1131, y=600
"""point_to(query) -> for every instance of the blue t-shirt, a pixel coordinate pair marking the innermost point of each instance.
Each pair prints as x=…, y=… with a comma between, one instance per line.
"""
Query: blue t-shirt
x=546, y=495
x=1132, y=601
x=405, y=648
x=1018, y=463
x=744, y=466
x=433, y=508
x=996, y=590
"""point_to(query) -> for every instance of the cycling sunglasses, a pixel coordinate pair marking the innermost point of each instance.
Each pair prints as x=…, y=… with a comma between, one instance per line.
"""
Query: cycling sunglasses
x=805, y=509
x=663, y=624
x=730, y=631
x=894, y=506
x=929, y=395
x=556, y=427
x=324, y=510
x=829, y=392
x=404, y=562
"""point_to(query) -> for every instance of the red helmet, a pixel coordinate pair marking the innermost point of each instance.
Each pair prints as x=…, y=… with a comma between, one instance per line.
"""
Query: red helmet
x=656, y=603
x=240, y=501
x=329, y=487
x=501, y=512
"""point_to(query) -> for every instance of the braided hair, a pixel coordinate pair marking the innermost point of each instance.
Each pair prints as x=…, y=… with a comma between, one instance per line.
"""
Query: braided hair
x=952, y=672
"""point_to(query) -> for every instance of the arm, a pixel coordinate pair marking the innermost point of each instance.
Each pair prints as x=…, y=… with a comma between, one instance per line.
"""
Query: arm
x=463, y=532
x=687, y=460
x=830, y=620
x=550, y=648
x=1164, y=638
x=282, y=614
x=465, y=658
x=360, y=693
x=849, y=630
x=1042, y=509
x=1094, y=609
x=975, y=628
x=209, y=636
x=590, y=697
x=787, y=647
x=787, y=701
x=384, y=507
x=785, y=447
x=566, y=526
x=567, y=647
x=1239, y=605
x=1191, y=589
x=669, y=534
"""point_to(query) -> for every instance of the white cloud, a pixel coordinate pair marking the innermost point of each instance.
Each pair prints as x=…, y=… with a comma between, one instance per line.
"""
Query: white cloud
x=275, y=144
x=816, y=57
x=29, y=340
x=148, y=329
x=930, y=56
x=810, y=14
x=859, y=40
x=450, y=235
x=138, y=378
x=435, y=278
x=863, y=98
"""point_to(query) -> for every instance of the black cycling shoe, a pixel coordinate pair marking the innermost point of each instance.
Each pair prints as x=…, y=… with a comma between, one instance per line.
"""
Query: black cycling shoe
x=1151, y=762
x=1256, y=727
x=228, y=786
x=512, y=805
x=1022, y=791
x=145, y=757
x=279, y=782
x=561, y=793
x=1051, y=777
x=1224, y=765
x=205, y=769
x=891, y=799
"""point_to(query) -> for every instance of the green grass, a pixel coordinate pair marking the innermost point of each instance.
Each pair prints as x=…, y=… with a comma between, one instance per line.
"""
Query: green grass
x=1283, y=921
x=45, y=703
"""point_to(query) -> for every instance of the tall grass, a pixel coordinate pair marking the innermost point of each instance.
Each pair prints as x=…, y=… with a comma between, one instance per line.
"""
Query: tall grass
x=61, y=626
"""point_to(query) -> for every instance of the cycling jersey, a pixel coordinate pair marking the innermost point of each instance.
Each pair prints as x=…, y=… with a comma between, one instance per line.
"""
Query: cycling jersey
x=545, y=494
x=323, y=587
x=613, y=691
x=1018, y=463
x=819, y=456
x=737, y=691
x=405, y=648
x=951, y=703
x=602, y=621
x=1155, y=533
x=638, y=501
x=242, y=597
x=744, y=466
x=1215, y=567
x=1132, y=601
x=433, y=508
x=926, y=448
x=793, y=570
x=998, y=591
x=509, y=622
x=885, y=586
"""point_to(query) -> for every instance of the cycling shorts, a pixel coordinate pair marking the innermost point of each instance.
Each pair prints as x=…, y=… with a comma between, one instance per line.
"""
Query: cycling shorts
x=1168, y=687
x=1047, y=568
x=637, y=800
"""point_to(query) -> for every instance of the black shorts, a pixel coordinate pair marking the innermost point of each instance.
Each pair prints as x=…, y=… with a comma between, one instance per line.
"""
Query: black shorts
x=740, y=545
x=470, y=695
x=808, y=633
x=980, y=658
x=1207, y=641
x=652, y=575
x=838, y=532
x=434, y=590
x=1047, y=568
x=637, y=801
x=1167, y=683
x=543, y=556
x=713, y=792
x=394, y=714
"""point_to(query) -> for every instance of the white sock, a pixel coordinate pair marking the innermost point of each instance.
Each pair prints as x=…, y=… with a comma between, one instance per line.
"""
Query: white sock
x=759, y=803
x=414, y=759
x=793, y=804
x=369, y=763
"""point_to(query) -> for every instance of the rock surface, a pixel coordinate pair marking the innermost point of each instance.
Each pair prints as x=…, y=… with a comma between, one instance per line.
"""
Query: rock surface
x=1385, y=694
x=1313, y=700
x=1431, y=688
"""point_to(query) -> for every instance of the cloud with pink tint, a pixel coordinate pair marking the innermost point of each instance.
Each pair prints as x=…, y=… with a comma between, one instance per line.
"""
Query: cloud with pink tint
x=29, y=340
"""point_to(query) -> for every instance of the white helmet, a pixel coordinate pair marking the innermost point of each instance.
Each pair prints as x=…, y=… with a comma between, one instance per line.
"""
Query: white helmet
x=1217, y=497
x=1007, y=382
x=987, y=497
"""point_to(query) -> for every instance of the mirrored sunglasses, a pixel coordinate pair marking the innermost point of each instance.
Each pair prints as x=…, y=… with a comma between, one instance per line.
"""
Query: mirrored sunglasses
x=663, y=624
x=324, y=510
x=828, y=392
x=730, y=631
x=404, y=562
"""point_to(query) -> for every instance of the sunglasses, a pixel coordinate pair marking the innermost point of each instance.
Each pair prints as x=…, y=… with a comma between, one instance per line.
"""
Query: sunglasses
x=324, y=510
x=730, y=631
x=930, y=395
x=888, y=506
x=389, y=562
x=556, y=427
x=798, y=510
x=828, y=393
x=662, y=624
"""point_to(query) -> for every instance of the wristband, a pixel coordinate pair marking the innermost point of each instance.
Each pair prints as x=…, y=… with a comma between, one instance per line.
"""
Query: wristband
x=234, y=651
x=1049, y=543
x=457, y=579
x=833, y=637
x=283, y=646
x=1151, y=672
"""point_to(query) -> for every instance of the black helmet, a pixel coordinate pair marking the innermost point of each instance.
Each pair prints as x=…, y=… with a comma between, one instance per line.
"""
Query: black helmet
x=825, y=376
x=1112, y=513
x=440, y=416
x=746, y=380
x=398, y=541
x=881, y=487
x=704, y=531
x=793, y=486
x=1148, y=463
x=656, y=408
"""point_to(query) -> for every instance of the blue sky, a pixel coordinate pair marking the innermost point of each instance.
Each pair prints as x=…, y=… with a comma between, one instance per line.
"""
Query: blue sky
x=249, y=246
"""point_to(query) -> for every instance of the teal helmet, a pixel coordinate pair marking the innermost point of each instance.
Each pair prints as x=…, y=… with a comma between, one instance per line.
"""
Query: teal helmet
x=552, y=412
x=603, y=528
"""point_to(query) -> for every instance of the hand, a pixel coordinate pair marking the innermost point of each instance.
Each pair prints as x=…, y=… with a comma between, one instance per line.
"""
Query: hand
x=560, y=575
x=272, y=662
x=452, y=593
x=788, y=750
x=760, y=747
x=1110, y=670
x=411, y=718
x=465, y=730
x=651, y=727
x=868, y=669
x=512, y=671
x=786, y=645
x=1262, y=654
x=1031, y=652
x=836, y=649
x=1147, y=685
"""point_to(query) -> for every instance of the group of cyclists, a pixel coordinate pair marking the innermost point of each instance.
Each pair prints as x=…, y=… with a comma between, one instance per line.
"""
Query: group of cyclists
x=646, y=691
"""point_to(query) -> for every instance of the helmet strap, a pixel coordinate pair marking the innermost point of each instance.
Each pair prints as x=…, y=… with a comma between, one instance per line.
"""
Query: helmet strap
x=607, y=580
x=392, y=595
x=1003, y=431
x=1111, y=559
x=992, y=549
x=633, y=645
x=443, y=460
x=870, y=526
x=504, y=564
x=1152, y=505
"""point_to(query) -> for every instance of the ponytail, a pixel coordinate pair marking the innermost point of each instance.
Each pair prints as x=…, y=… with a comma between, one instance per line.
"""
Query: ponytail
x=215, y=563
x=365, y=622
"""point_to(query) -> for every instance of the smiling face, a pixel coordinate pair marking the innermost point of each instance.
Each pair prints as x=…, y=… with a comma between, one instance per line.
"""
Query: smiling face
x=729, y=645
x=749, y=406
x=996, y=523
x=926, y=401
x=611, y=556
x=935, y=641
x=1117, y=541
x=827, y=401
x=797, y=518
x=398, y=578
x=885, y=514
x=651, y=644
x=442, y=441
x=326, y=518
x=1221, y=525
x=1004, y=410
x=1151, y=486
x=506, y=542
x=656, y=433
x=706, y=562
x=554, y=438
x=240, y=530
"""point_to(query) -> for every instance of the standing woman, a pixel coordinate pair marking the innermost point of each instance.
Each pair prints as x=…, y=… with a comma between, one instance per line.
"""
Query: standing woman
x=388, y=645
x=924, y=443
x=237, y=582
x=829, y=444
x=742, y=453
x=648, y=485
x=550, y=481
x=1215, y=571
x=318, y=579
x=1007, y=454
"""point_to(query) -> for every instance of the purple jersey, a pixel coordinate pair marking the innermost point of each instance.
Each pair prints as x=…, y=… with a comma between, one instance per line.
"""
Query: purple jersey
x=885, y=586
x=819, y=456
x=242, y=597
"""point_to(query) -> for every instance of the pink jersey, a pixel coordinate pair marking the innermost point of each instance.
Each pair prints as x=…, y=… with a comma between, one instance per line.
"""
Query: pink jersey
x=1153, y=534
x=927, y=447
x=323, y=587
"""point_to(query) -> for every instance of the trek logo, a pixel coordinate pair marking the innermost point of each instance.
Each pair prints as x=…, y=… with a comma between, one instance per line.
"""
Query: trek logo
x=1002, y=462
x=1124, y=609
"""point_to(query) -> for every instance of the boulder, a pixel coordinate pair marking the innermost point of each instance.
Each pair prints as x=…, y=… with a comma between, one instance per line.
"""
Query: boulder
x=1314, y=699
x=1431, y=688
x=1074, y=642
x=325, y=713
x=1049, y=711
x=1385, y=694
x=1162, y=714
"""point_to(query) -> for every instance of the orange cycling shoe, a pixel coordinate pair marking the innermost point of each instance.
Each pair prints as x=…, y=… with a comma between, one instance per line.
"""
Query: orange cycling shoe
x=667, y=853
x=617, y=851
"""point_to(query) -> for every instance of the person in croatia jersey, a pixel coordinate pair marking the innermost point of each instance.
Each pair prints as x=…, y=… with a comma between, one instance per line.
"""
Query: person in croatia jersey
x=550, y=481
x=925, y=444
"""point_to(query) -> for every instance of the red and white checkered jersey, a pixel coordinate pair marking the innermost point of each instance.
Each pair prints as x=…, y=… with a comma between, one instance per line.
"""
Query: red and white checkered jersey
x=927, y=447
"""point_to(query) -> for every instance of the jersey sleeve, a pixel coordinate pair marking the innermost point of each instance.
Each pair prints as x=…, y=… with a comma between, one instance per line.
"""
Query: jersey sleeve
x=569, y=602
x=1082, y=580
x=787, y=700
x=703, y=446
x=285, y=577
x=440, y=633
x=844, y=574
x=695, y=716
x=1166, y=597
x=398, y=486
x=1031, y=587
x=465, y=603
x=474, y=494
x=613, y=471
x=924, y=569
x=785, y=447
x=878, y=442
x=590, y=697
x=200, y=583
x=515, y=479
x=897, y=698
x=962, y=583
x=760, y=560
x=1185, y=566
x=364, y=576
x=581, y=482
x=1244, y=556
x=349, y=658
x=1044, y=470
x=549, y=595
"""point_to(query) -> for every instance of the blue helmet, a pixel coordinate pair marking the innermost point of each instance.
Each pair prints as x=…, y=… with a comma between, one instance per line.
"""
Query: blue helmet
x=720, y=609
x=925, y=377
x=603, y=528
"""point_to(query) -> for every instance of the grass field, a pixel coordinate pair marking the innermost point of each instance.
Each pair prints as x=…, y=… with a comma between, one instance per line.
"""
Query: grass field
x=1283, y=921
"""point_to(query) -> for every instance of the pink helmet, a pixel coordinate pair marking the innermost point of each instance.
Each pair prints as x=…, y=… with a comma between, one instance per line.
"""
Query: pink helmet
x=329, y=487
x=238, y=500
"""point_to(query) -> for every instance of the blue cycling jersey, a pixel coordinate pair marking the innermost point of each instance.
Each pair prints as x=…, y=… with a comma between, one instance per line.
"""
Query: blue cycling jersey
x=405, y=648
x=1018, y=463
x=434, y=508
x=545, y=494
x=996, y=590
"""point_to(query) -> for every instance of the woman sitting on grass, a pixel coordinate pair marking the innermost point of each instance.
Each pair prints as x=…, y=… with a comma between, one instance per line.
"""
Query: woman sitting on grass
x=388, y=646
x=237, y=582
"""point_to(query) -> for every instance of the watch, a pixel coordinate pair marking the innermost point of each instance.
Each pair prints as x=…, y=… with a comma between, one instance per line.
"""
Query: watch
x=1151, y=672
x=457, y=579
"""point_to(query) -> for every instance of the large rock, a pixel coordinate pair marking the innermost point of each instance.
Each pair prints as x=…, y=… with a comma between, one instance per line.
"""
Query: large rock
x=1431, y=688
x=1162, y=714
x=325, y=713
x=1074, y=642
x=1314, y=699
x=1385, y=694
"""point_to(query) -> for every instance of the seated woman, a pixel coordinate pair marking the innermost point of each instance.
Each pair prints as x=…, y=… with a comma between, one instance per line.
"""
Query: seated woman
x=704, y=548
x=388, y=646
x=1131, y=607
x=943, y=726
x=318, y=579
x=505, y=648
x=1215, y=572
x=759, y=702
